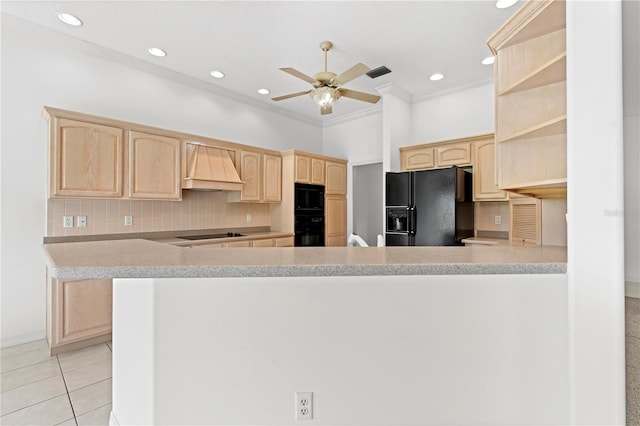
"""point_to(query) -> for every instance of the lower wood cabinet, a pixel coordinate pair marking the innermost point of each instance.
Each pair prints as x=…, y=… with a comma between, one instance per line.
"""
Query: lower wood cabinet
x=335, y=221
x=79, y=313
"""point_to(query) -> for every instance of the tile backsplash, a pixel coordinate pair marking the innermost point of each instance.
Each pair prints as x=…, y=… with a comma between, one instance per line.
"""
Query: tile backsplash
x=485, y=216
x=197, y=210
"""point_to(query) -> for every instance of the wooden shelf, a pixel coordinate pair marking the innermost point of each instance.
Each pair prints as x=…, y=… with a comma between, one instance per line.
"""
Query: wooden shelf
x=551, y=188
x=553, y=71
x=556, y=126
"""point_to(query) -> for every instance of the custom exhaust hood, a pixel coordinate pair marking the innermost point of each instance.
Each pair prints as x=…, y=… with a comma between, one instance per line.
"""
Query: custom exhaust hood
x=210, y=168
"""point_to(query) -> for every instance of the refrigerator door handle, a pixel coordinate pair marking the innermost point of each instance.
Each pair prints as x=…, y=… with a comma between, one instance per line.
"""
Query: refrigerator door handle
x=412, y=218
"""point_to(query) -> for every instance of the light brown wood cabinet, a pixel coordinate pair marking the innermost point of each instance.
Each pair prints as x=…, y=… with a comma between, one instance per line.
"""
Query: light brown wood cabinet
x=336, y=175
x=86, y=159
x=90, y=158
x=484, y=182
x=335, y=221
x=531, y=111
x=283, y=242
x=250, y=174
x=79, y=313
x=453, y=154
x=272, y=178
x=154, y=166
x=526, y=220
x=302, y=171
x=317, y=171
x=262, y=243
x=456, y=152
x=309, y=170
x=418, y=158
x=261, y=173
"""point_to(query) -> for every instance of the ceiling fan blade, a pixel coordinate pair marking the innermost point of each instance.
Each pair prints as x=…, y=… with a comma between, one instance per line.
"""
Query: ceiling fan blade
x=294, y=72
x=325, y=111
x=361, y=96
x=354, y=72
x=290, y=95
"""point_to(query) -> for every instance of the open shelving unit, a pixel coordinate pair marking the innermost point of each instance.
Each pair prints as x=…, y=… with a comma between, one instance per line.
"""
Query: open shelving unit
x=531, y=114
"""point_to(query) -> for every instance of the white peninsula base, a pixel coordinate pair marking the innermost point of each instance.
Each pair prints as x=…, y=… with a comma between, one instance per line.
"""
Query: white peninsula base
x=374, y=350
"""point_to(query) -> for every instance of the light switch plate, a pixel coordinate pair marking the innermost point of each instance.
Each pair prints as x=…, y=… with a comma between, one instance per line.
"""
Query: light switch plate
x=81, y=221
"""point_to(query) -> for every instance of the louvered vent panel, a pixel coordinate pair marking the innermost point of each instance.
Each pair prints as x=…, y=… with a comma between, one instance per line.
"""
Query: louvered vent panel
x=524, y=222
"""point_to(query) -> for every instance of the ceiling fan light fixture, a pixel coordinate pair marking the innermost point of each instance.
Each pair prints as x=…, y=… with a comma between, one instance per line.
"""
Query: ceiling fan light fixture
x=325, y=96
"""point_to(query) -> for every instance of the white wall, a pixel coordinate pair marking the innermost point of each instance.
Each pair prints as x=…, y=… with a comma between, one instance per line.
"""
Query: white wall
x=419, y=350
x=455, y=115
x=595, y=254
x=41, y=67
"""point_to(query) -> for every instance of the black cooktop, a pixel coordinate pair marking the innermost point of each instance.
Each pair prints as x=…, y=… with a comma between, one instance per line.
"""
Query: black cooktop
x=211, y=236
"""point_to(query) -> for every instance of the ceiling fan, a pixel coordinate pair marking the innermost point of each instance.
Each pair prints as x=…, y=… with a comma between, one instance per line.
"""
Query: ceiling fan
x=326, y=85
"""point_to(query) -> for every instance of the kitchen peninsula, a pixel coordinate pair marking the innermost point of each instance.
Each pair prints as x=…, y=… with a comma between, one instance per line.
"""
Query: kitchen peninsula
x=198, y=332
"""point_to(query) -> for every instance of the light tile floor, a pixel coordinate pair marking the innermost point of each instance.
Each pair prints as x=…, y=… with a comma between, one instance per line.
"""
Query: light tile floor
x=73, y=388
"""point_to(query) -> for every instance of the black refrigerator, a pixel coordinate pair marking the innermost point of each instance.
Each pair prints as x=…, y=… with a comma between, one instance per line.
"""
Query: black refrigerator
x=429, y=207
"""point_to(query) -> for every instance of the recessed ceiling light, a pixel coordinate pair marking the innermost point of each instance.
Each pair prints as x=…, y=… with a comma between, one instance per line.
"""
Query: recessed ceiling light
x=156, y=51
x=217, y=74
x=436, y=77
x=488, y=60
x=264, y=91
x=503, y=4
x=69, y=19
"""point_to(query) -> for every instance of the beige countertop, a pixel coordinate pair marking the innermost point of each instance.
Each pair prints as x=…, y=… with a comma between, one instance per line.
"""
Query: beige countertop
x=138, y=258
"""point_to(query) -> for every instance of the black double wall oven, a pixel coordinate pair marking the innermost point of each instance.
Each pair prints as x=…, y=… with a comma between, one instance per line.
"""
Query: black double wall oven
x=309, y=215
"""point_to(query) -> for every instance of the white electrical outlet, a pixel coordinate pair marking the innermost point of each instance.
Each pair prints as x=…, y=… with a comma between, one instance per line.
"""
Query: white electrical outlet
x=128, y=220
x=248, y=218
x=67, y=221
x=498, y=220
x=81, y=221
x=304, y=405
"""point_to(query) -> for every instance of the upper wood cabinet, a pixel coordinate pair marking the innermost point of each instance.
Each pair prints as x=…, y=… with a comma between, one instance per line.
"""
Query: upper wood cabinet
x=455, y=152
x=261, y=173
x=272, y=178
x=417, y=158
x=86, y=159
x=154, y=166
x=336, y=178
x=317, y=171
x=302, y=171
x=309, y=170
x=250, y=174
x=531, y=111
x=484, y=182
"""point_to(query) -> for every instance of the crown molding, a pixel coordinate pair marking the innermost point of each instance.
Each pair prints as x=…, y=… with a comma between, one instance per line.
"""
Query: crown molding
x=395, y=90
x=377, y=109
x=465, y=84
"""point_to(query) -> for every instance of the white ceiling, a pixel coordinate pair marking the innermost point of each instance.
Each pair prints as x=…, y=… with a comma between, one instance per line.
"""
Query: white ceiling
x=250, y=40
